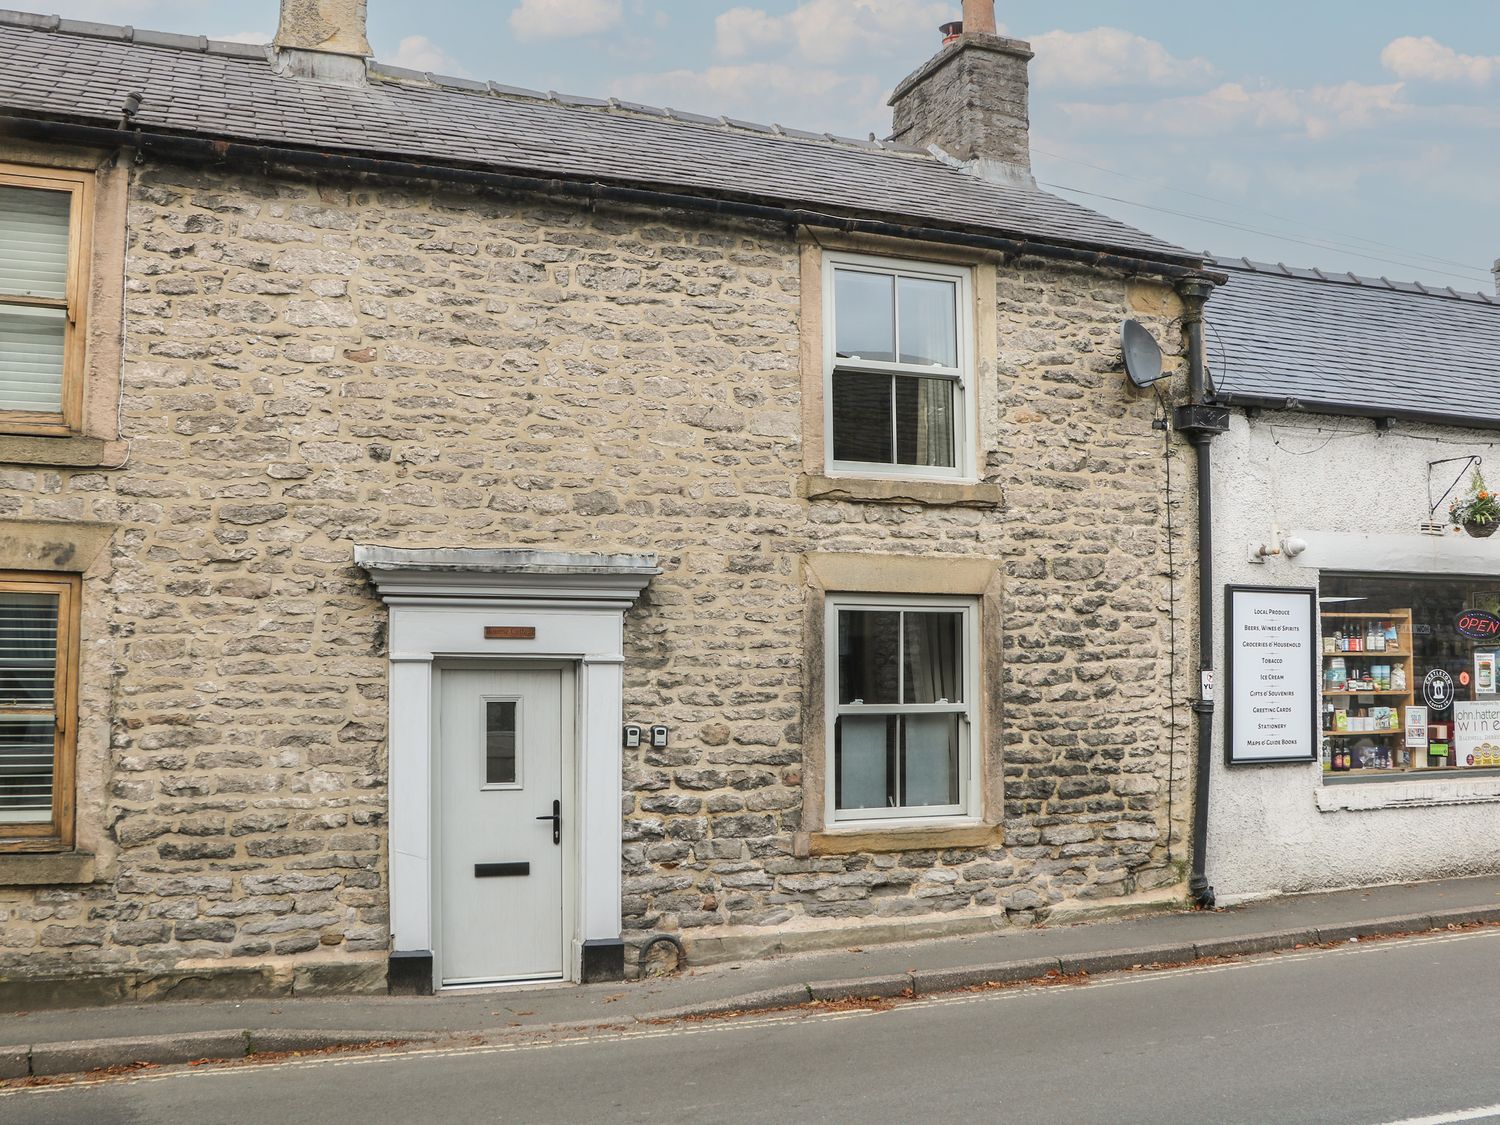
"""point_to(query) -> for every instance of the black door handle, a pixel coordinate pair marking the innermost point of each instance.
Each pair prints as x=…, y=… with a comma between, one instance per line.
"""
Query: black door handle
x=556, y=819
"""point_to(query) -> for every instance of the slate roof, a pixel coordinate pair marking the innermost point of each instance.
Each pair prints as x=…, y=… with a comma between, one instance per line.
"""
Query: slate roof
x=81, y=72
x=1339, y=343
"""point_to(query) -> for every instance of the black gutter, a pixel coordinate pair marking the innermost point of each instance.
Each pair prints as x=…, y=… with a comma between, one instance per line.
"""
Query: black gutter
x=180, y=147
x=1354, y=410
x=1201, y=420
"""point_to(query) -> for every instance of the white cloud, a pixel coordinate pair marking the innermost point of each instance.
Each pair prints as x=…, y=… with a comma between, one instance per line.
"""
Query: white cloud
x=1316, y=112
x=1108, y=56
x=1425, y=59
x=833, y=31
x=417, y=52
x=565, y=19
x=747, y=31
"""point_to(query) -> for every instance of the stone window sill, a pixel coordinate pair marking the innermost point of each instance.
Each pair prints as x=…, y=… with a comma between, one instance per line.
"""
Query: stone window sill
x=64, y=452
x=880, y=490
x=46, y=869
x=843, y=841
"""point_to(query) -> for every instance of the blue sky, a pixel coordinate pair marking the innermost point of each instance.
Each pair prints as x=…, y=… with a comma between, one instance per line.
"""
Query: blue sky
x=1348, y=134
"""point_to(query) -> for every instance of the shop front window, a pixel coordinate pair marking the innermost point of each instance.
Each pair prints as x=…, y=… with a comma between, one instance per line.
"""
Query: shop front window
x=1409, y=681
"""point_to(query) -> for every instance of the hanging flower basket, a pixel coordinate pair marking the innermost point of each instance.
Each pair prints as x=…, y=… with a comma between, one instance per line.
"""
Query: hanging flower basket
x=1478, y=513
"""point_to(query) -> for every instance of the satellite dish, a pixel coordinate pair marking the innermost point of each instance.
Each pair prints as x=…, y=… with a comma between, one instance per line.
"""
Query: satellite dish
x=1142, y=354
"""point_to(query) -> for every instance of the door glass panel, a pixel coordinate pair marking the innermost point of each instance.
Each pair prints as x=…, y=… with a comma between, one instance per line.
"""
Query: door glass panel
x=500, y=742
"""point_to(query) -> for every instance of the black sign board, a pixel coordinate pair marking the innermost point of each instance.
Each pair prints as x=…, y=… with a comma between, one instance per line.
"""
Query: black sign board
x=1272, y=675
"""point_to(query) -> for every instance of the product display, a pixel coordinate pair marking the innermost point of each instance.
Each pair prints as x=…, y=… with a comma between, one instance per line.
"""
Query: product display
x=1409, y=673
x=1365, y=696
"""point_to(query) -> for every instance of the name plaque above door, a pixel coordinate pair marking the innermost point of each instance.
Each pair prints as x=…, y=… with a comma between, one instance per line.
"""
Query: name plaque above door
x=510, y=632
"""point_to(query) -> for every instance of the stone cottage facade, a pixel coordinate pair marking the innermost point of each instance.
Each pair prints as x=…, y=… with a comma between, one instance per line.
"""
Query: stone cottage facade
x=529, y=447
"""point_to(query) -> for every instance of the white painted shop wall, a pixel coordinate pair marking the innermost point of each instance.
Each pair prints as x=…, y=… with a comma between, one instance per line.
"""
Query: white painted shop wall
x=1357, y=497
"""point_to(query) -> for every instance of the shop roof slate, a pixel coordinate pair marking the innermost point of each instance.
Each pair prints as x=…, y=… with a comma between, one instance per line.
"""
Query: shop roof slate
x=1344, y=343
x=69, y=70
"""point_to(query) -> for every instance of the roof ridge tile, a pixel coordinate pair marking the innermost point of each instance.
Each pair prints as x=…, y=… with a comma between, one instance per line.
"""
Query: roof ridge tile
x=9, y=17
x=1382, y=284
x=92, y=30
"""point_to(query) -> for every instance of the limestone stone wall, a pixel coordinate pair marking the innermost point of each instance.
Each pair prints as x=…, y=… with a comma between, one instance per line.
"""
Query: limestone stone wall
x=307, y=366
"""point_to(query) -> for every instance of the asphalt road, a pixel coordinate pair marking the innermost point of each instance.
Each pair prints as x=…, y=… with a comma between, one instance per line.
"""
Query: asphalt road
x=1403, y=1031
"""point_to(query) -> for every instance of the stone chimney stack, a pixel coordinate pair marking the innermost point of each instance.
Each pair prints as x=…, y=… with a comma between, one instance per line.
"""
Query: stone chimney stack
x=323, y=39
x=970, y=99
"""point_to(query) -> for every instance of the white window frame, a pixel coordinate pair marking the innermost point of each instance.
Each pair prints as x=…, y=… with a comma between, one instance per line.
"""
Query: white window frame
x=968, y=710
x=962, y=376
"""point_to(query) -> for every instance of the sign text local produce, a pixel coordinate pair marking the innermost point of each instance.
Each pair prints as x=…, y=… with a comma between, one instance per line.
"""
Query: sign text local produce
x=1272, y=675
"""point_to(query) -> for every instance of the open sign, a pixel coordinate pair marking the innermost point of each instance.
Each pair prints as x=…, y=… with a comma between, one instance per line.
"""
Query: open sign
x=1478, y=625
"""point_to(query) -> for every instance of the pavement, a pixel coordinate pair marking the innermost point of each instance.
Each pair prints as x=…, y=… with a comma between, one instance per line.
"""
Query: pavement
x=68, y=1041
x=1357, y=1034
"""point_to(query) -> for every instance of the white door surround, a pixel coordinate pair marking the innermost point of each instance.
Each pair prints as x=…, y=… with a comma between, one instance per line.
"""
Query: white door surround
x=538, y=606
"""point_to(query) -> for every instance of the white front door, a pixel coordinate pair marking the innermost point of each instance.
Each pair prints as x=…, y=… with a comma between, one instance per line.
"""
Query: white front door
x=504, y=772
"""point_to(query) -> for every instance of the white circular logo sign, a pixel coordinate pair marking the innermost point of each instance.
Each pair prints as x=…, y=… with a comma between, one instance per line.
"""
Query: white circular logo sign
x=1437, y=689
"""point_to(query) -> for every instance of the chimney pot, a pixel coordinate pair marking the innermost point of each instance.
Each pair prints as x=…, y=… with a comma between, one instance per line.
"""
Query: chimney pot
x=951, y=32
x=979, y=17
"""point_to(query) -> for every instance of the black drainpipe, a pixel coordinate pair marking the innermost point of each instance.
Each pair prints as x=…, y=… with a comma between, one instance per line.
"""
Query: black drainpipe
x=1201, y=422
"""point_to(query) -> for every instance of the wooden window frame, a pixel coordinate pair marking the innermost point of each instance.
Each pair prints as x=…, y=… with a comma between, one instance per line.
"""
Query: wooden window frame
x=80, y=186
x=56, y=835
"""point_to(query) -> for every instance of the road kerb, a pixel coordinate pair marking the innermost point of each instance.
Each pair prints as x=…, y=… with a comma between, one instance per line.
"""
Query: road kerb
x=15, y=1062
x=1466, y=916
x=862, y=988
x=788, y=996
x=1269, y=942
x=96, y=1054
x=280, y=1040
x=1173, y=953
x=1376, y=927
x=927, y=981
